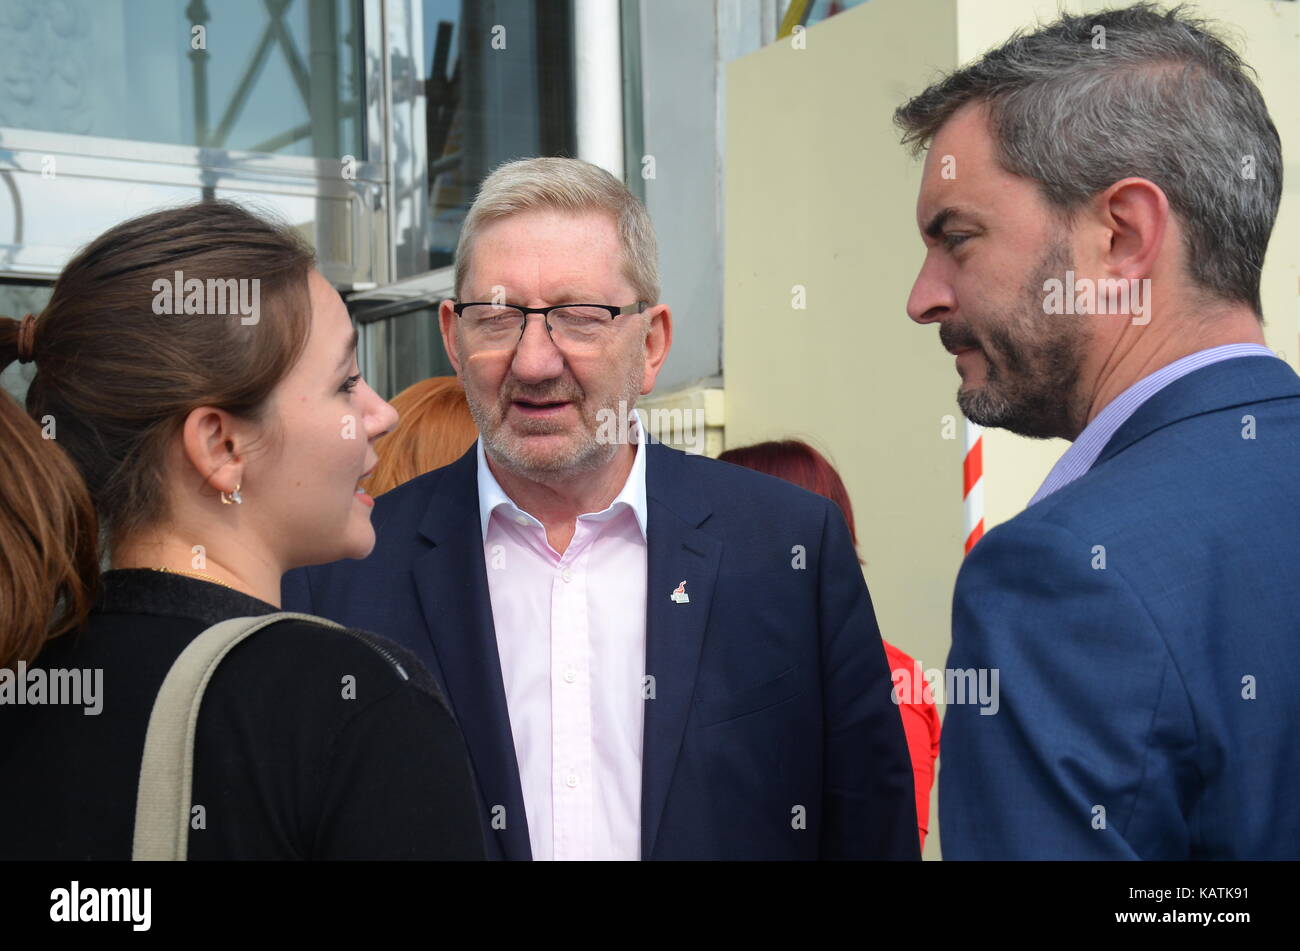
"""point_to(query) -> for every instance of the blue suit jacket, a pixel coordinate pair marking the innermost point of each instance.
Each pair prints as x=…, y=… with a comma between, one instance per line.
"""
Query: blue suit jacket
x=1158, y=685
x=771, y=735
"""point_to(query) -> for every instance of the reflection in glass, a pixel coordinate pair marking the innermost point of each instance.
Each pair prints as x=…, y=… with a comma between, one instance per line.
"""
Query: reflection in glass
x=500, y=87
x=278, y=76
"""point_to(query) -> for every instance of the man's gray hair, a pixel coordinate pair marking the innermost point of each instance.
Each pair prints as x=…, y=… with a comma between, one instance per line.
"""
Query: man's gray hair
x=1136, y=92
x=566, y=185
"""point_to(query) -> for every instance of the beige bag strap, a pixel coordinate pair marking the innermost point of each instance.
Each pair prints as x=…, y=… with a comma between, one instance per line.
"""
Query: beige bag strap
x=162, y=802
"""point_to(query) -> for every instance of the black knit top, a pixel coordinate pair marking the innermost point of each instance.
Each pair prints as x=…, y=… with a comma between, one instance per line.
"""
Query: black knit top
x=311, y=743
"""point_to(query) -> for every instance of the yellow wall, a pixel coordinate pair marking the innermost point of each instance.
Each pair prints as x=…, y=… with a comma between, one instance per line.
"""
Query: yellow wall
x=819, y=194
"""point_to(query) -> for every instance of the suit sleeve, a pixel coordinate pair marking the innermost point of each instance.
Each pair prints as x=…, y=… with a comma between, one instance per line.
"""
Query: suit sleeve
x=868, y=799
x=1089, y=737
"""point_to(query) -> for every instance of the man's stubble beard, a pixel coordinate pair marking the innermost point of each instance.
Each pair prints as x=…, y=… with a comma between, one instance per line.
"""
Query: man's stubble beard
x=586, y=454
x=1034, y=392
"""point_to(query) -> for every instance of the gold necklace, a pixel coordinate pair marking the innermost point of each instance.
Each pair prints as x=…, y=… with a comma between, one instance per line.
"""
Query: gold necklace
x=196, y=574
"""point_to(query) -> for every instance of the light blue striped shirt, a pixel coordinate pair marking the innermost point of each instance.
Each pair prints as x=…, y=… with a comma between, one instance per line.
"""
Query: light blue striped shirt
x=1084, y=451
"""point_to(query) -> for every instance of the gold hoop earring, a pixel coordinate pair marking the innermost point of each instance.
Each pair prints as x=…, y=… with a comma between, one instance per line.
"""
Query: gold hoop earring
x=234, y=497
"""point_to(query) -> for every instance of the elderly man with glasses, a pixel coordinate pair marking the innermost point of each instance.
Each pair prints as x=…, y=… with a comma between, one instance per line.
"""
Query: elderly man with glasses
x=653, y=655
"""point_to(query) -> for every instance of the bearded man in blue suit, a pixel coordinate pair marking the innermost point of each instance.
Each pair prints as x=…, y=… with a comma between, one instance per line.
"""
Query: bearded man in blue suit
x=1094, y=264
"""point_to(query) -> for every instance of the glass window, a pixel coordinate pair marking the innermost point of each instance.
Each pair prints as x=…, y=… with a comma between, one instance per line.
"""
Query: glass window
x=278, y=76
x=400, y=343
x=809, y=12
x=823, y=9
x=17, y=299
x=500, y=87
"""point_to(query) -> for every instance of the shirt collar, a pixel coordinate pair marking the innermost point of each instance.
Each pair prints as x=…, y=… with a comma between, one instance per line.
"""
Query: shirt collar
x=1083, y=452
x=632, y=496
x=168, y=594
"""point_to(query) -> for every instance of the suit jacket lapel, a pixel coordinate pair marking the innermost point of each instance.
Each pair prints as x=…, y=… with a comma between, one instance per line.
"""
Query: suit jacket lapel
x=677, y=551
x=1239, y=381
x=451, y=581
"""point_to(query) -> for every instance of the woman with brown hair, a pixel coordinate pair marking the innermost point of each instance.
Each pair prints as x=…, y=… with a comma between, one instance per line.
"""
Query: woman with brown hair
x=197, y=420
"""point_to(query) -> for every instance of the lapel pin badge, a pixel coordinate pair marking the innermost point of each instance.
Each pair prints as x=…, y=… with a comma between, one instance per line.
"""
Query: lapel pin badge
x=679, y=594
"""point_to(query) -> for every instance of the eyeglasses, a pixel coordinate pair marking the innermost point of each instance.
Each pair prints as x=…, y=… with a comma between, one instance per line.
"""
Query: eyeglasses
x=572, y=327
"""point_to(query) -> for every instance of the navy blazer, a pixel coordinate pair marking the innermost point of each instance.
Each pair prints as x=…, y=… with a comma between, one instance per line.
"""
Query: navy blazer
x=1146, y=623
x=771, y=734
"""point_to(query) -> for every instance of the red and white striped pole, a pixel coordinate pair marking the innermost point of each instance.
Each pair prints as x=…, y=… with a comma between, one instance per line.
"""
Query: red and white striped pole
x=972, y=489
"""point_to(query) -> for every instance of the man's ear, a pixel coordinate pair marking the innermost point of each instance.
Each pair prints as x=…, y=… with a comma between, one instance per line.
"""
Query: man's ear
x=658, y=341
x=1136, y=213
x=447, y=325
x=213, y=448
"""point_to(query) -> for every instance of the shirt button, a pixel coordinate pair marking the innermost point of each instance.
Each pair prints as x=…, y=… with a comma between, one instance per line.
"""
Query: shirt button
x=567, y=575
x=521, y=519
x=571, y=780
x=570, y=675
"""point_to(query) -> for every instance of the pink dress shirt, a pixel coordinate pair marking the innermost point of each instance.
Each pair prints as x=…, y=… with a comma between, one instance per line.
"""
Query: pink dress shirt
x=570, y=633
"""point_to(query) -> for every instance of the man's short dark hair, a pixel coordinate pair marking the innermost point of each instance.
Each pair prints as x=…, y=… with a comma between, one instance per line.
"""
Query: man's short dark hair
x=1136, y=92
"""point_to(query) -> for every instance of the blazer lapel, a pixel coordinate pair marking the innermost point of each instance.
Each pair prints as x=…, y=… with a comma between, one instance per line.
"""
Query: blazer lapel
x=677, y=551
x=1240, y=381
x=451, y=581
